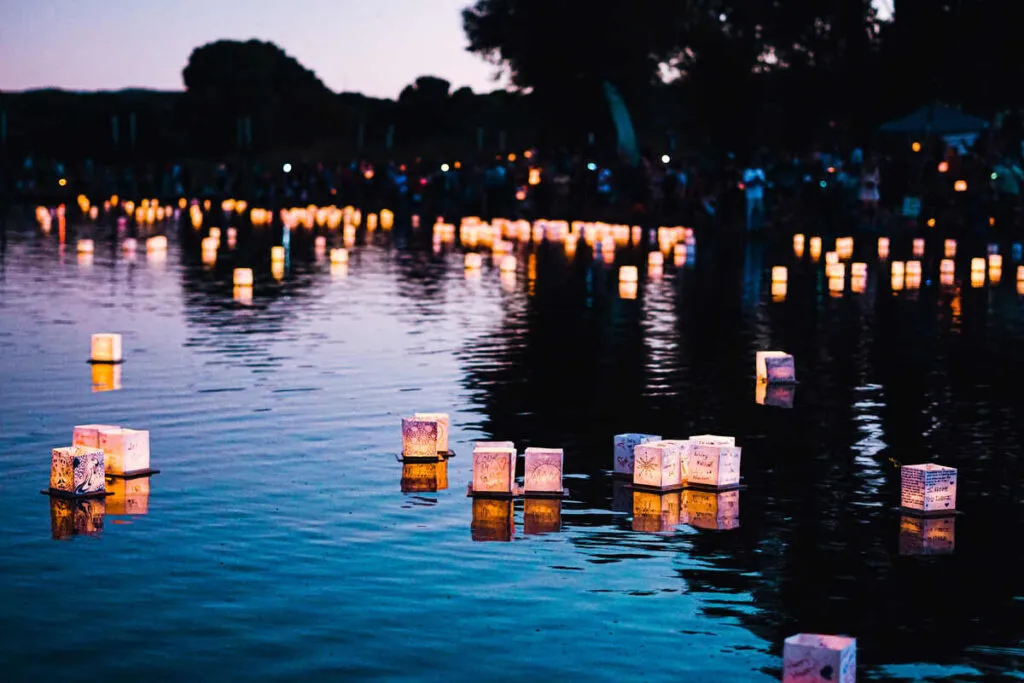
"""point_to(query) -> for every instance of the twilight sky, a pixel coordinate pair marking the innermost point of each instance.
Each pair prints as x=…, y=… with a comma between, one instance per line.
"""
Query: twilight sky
x=376, y=47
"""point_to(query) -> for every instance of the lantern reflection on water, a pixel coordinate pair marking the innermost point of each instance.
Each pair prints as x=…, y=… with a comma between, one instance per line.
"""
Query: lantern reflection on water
x=835, y=271
x=277, y=254
x=623, y=451
x=859, y=270
x=977, y=279
x=493, y=520
x=543, y=471
x=779, y=290
x=656, y=512
x=913, y=268
x=779, y=274
x=928, y=488
x=128, y=496
x=658, y=465
x=858, y=284
x=106, y=377
x=712, y=509
x=242, y=295
x=70, y=518
x=106, y=347
x=424, y=477
x=815, y=658
x=542, y=516
x=898, y=268
x=77, y=471
x=774, y=366
x=947, y=266
x=494, y=468
x=777, y=395
x=995, y=275
x=628, y=290
x=927, y=535
x=977, y=265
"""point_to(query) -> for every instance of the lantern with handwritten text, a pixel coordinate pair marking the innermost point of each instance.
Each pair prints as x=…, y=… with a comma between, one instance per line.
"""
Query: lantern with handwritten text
x=928, y=488
x=624, y=445
x=243, y=277
x=815, y=658
x=419, y=438
x=543, y=472
x=494, y=467
x=777, y=395
x=443, y=425
x=89, y=435
x=658, y=465
x=779, y=274
x=714, y=465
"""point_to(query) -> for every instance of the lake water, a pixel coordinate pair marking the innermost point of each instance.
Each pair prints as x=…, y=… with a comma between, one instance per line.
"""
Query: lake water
x=281, y=541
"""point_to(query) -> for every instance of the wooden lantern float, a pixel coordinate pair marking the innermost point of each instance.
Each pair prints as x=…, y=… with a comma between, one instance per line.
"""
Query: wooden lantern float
x=84, y=246
x=339, y=256
x=775, y=367
x=78, y=517
x=493, y=520
x=473, y=261
x=927, y=535
x=712, y=510
x=624, y=445
x=494, y=468
x=77, y=471
x=628, y=274
x=656, y=512
x=928, y=489
x=659, y=465
x=543, y=472
x=243, y=277
x=777, y=395
x=106, y=377
x=779, y=290
x=815, y=658
x=542, y=516
x=106, y=347
x=130, y=245
x=128, y=496
x=424, y=476
x=126, y=451
x=714, y=462
x=898, y=268
x=387, y=219
x=277, y=254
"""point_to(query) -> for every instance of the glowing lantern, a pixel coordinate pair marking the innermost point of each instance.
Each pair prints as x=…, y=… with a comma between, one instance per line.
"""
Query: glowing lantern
x=126, y=451
x=534, y=178
x=81, y=517
x=1020, y=273
x=913, y=281
x=243, y=277
x=628, y=290
x=913, y=269
x=473, y=261
x=835, y=271
x=844, y=247
x=931, y=223
x=77, y=471
x=831, y=258
x=779, y=274
x=814, y=658
x=927, y=535
x=779, y=290
x=928, y=488
x=420, y=438
x=339, y=255
x=960, y=186
x=494, y=467
x=977, y=279
x=947, y=266
x=387, y=219
x=277, y=270
x=129, y=245
x=624, y=445
x=658, y=465
x=656, y=512
x=712, y=440
x=995, y=261
x=655, y=258
x=84, y=246
x=798, y=244
x=543, y=471
x=713, y=465
x=371, y=221
x=943, y=166
x=717, y=511
x=157, y=243
x=415, y=220
x=492, y=520
x=443, y=427
x=424, y=477
x=775, y=367
x=977, y=265
x=777, y=395
x=679, y=254
x=946, y=279
x=94, y=212
x=628, y=274
x=209, y=244
x=105, y=347
x=898, y=268
x=836, y=286
x=542, y=515
x=918, y=246
x=508, y=264
x=950, y=248
x=277, y=254
x=88, y=435
x=859, y=270
x=127, y=496
x=106, y=377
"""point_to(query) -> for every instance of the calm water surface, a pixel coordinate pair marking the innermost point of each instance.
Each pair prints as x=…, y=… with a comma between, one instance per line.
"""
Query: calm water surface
x=282, y=540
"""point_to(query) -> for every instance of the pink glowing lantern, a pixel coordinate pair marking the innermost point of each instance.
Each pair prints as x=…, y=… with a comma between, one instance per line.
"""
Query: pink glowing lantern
x=624, y=447
x=494, y=467
x=420, y=438
x=814, y=658
x=714, y=465
x=928, y=488
x=543, y=471
x=443, y=426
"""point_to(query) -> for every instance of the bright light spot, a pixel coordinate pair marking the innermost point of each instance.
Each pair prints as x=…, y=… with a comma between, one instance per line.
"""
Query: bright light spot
x=823, y=184
x=916, y=146
x=960, y=186
x=943, y=166
x=62, y=182
x=994, y=175
x=511, y=157
x=721, y=17
x=444, y=168
x=287, y=168
x=931, y=222
x=591, y=166
x=665, y=158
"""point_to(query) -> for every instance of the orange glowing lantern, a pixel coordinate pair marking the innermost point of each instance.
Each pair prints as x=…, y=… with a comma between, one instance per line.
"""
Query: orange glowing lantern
x=277, y=254
x=977, y=265
x=995, y=275
x=928, y=488
x=628, y=290
x=950, y=248
x=656, y=512
x=473, y=261
x=844, y=247
x=243, y=277
x=918, y=246
x=897, y=281
x=424, y=476
x=105, y=347
x=420, y=438
x=712, y=510
x=508, y=264
x=913, y=268
x=831, y=258
x=779, y=274
x=943, y=166
x=534, y=178
x=915, y=146
x=84, y=246
x=960, y=186
x=995, y=261
x=947, y=266
x=628, y=274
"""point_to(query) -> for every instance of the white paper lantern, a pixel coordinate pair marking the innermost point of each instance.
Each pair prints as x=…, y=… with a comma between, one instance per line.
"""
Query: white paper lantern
x=628, y=274
x=130, y=245
x=105, y=347
x=126, y=451
x=779, y=274
x=928, y=488
x=918, y=246
x=714, y=466
x=775, y=367
x=655, y=258
x=420, y=438
x=658, y=465
x=443, y=426
x=913, y=269
x=623, y=451
x=77, y=471
x=494, y=467
x=815, y=658
x=543, y=471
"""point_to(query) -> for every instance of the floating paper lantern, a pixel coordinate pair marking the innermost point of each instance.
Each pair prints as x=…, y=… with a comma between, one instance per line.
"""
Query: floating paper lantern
x=928, y=488
x=835, y=271
x=443, y=427
x=543, y=471
x=243, y=277
x=715, y=466
x=387, y=219
x=339, y=255
x=815, y=248
x=215, y=233
x=918, y=246
x=777, y=395
x=277, y=254
x=105, y=347
x=656, y=512
x=927, y=535
x=844, y=247
x=946, y=279
x=493, y=520
x=977, y=265
x=798, y=244
x=128, y=496
x=624, y=444
x=779, y=291
x=655, y=258
x=508, y=264
x=883, y=245
x=898, y=268
x=913, y=268
x=420, y=438
x=242, y=295
x=106, y=377
x=424, y=476
x=859, y=269
x=814, y=658
x=628, y=274
x=995, y=261
x=494, y=467
x=84, y=246
x=88, y=435
x=947, y=266
x=157, y=243
x=960, y=186
x=77, y=471
x=779, y=274
x=679, y=253
x=80, y=517
x=371, y=221
x=775, y=367
x=712, y=440
x=473, y=261
x=713, y=510
x=831, y=258
x=126, y=451
x=949, y=248
x=542, y=516
x=658, y=465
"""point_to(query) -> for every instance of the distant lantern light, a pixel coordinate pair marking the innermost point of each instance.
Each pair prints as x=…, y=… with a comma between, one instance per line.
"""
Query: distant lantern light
x=960, y=186
x=715, y=466
x=62, y=182
x=511, y=157
x=105, y=347
x=943, y=166
x=915, y=146
x=444, y=168
x=591, y=166
x=665, y=158
x=287, y=168
x=994, y=175
x=931, y=222
x=494, y=467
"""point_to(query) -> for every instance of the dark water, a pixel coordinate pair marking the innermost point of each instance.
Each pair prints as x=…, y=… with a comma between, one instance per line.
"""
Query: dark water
x=278, y=544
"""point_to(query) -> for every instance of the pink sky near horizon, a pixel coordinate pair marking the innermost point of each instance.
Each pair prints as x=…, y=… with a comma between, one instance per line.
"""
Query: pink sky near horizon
x=376, y=47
